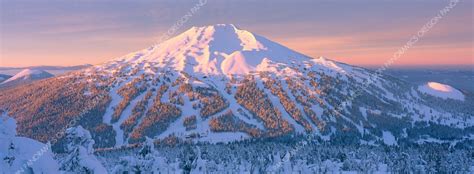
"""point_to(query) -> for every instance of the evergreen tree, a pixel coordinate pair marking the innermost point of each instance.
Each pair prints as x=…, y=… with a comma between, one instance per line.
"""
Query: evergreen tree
x=80, y=158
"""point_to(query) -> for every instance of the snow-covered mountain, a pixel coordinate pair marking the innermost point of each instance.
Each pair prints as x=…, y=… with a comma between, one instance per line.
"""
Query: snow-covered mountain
x=25, y=76
x=220, y=83
x=441, y=90
x=215, y=50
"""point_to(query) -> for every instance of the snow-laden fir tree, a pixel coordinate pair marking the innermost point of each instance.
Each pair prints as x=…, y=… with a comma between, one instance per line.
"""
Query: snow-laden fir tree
x=200, y=165
x=80, y=158
x=146, y=160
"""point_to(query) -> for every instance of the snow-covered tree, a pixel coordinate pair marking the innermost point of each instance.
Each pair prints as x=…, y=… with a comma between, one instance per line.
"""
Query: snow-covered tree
x=280, y=164
x=80, y=158
x=146, y=156
x=200, y=165
x=145, y=160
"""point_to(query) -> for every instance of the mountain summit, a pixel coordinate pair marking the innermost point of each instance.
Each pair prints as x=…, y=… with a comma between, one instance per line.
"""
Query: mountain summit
x=216, y=49
x=219, y=83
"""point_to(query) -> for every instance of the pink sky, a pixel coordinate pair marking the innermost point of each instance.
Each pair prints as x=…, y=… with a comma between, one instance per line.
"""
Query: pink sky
x=34, y=33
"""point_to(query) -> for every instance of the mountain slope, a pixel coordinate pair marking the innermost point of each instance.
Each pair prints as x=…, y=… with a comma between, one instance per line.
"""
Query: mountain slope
x=219, y=83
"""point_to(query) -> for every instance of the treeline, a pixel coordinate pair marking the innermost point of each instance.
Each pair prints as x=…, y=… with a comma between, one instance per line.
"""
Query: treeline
x=129, y=91
x=276, y=89
x=256, y=101
x=137, y=113
x=228, y=122
x=157, y=119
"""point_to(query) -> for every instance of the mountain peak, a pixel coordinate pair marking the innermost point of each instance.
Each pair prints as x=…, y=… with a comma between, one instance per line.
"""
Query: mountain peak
x=216, y=49
x=220, y=27
x=224, y=38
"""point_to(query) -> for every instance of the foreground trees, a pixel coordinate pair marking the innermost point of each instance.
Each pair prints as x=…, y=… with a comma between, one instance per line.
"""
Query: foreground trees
x=300, y=154
x=80, y=154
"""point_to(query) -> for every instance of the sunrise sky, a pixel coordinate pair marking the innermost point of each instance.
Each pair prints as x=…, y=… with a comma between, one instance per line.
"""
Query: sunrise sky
x=366, y=32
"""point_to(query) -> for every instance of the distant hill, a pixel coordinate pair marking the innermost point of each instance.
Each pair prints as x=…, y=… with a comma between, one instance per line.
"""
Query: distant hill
x=422, y=75
x=56, y=70
x=26, y=76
